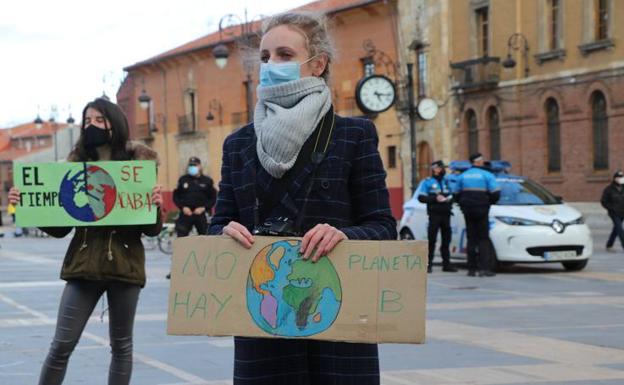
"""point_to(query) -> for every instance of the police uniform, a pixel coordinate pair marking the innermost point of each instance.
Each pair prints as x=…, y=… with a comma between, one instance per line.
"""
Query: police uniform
x=193, y=192
x=439, y=216
x=476, y=190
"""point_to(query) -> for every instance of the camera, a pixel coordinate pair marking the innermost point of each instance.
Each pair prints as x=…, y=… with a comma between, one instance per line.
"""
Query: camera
x=281, y=227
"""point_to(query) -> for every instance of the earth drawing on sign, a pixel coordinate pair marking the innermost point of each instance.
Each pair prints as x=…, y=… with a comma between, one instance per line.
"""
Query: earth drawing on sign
x=89, y=194
x=290, y=297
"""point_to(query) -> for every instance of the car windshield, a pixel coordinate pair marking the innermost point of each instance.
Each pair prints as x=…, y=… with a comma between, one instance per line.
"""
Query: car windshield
x=516, y=191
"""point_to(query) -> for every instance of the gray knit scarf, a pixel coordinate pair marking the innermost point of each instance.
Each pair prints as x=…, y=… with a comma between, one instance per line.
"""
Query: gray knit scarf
x=285, y=116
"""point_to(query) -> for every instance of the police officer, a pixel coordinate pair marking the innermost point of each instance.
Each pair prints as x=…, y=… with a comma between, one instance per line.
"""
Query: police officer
x=194, y=196
x=476, y=190
x=436, y=193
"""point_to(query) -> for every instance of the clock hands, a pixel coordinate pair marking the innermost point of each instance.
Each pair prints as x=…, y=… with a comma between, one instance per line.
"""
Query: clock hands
x=379, y=94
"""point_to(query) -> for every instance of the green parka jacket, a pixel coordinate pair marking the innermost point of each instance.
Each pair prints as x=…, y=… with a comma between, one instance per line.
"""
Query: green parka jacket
x=108, y=252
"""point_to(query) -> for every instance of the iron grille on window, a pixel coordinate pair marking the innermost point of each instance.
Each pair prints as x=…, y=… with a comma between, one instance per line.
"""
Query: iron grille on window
x=600, y=124
x=554, y=24
x=602, y=20
x=483, y=30
x=553, y=136
x=495, y=133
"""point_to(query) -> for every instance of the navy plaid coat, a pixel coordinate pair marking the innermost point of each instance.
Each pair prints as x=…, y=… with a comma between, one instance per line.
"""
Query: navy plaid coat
x=348, y=192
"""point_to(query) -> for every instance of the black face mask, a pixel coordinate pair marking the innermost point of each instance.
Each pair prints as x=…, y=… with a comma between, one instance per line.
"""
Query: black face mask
x=95, y=137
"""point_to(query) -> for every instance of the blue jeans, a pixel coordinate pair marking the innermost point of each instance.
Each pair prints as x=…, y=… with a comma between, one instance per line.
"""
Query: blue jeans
x=617, y=230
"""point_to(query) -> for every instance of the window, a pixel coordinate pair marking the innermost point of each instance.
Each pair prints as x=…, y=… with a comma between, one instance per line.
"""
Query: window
x=602, y=19
x=482, y=31
x=553, y=135
x=555, y=9
x=422, y=73
x=392, y=157
x=495, y=135
x=473, y=132
x=600, y=126
x=189, y=106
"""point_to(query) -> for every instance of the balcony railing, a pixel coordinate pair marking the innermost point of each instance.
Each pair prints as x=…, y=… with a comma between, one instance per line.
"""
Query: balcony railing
x=476, y=74
x=186, y=124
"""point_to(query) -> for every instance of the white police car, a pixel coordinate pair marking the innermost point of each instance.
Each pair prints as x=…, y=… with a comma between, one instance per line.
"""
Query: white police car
x=528, y=224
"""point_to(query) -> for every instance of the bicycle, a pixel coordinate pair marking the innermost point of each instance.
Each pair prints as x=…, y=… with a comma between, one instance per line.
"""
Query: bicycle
x=163, y=241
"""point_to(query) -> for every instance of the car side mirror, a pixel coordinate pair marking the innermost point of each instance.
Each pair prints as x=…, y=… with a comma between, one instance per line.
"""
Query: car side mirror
x=559, y=198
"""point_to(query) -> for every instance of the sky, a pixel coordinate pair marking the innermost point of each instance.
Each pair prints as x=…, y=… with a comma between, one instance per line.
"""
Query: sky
x=58, y=55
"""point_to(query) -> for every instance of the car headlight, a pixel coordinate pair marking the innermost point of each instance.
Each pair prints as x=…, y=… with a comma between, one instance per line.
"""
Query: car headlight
x=520, y=221
x=578, y=221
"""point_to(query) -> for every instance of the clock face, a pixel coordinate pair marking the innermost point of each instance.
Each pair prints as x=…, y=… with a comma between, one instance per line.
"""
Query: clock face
x=427, y=108
x=375, y=94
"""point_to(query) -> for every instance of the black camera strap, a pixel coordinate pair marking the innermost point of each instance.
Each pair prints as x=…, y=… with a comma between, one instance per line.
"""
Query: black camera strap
x=313, y=151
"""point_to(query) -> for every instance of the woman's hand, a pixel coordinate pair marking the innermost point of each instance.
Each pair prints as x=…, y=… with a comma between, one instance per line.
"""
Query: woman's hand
x=14, y=196
x=239, y=233
x=157, y=198
x=199, y=210
x=320, y=240
x=187, y=211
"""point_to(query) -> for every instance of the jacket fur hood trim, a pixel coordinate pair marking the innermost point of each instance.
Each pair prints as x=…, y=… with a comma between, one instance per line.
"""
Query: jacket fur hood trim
x=137, y=151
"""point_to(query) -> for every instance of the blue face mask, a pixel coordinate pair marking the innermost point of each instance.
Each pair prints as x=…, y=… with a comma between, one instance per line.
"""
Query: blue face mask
x=272, y=74
x=193, y=170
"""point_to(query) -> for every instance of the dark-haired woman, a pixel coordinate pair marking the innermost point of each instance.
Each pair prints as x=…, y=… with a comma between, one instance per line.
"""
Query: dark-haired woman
x=100, y=259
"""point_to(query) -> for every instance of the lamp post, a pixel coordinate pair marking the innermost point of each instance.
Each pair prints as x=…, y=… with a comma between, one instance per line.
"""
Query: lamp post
x=411, y=113
x=70, y=122
x=243, y=37
x=145, y=102
x=516, y=42
x=215, y=105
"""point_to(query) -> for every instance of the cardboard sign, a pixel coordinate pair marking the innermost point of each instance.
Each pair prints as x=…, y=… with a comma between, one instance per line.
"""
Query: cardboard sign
x=85, y=193
x=363, y=291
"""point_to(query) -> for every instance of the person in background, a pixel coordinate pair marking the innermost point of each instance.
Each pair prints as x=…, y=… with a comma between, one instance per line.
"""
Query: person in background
x=613, y=201
x=437, y=194
x=100, y=259
x=194, y=196
x=317, y=171
x=476, y=190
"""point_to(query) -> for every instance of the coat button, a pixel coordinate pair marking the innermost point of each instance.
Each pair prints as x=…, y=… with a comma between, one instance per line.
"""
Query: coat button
x=325, y=184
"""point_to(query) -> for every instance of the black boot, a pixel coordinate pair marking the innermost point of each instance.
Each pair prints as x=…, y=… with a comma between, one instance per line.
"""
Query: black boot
x=486, y=273
x=472, y=273
x=449, y=268
x=429, y=269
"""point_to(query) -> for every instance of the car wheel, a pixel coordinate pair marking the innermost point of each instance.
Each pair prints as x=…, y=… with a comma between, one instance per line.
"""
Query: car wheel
x=575, y=265
x=407, y=235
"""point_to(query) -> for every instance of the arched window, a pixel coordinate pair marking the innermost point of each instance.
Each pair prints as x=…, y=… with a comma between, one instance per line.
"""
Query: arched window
x=473, y=132
x=600, y=128
x=553, y=135
x=495, y=134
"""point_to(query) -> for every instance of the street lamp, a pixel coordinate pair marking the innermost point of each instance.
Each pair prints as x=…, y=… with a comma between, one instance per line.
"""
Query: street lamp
x=243, y=37
x=516, y=42
x=38, y=122
x=215, y=105
x=145, y=102
x=221, y=54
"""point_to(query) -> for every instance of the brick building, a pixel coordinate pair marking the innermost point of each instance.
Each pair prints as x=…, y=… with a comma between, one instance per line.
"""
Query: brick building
x=30, y=142
x=193, y=104
x=556, y=109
